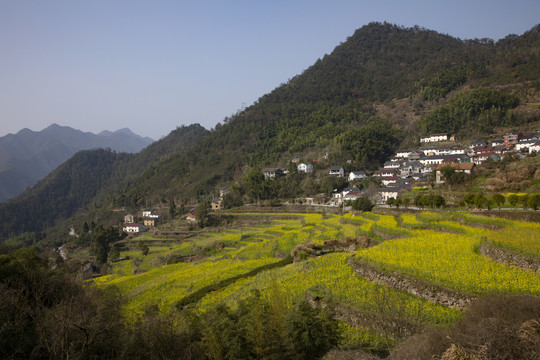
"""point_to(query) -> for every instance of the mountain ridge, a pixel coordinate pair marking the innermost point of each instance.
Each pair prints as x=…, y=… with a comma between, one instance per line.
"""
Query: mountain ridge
x=28, y=156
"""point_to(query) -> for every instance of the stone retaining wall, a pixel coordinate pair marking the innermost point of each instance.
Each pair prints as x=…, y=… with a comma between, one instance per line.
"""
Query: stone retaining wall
x=433, y=293
x=507, y=256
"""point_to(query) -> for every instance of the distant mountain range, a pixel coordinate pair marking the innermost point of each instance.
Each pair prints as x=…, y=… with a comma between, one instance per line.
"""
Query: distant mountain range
x=28, y=156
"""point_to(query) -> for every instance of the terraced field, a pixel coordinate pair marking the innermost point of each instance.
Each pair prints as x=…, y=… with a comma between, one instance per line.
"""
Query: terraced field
x=437, y=248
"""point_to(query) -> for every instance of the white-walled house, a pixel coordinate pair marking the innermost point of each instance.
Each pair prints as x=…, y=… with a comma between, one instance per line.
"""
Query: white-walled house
x=272, y=173
x=337, y=171
x=534, y=148
x=134, y=228
x=353, y=175
x=305, y=168
x=525, y=144
x=434, y=138
x=392, y=164
x=403, y=153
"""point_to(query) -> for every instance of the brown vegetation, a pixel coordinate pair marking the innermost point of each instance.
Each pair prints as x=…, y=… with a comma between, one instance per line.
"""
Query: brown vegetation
x=495, y=327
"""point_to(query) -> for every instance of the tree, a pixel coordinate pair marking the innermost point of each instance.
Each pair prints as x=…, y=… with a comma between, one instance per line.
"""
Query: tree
x=311, y=332
x=405, y=201
x=499, y=200
x=418, y=201
x=469, y=199
x=86, y=229
x=102, y=238
x=232, y=199
x=201, y=214
x=143, y=247
x=172, y=208
x=293, y=168
x=479, y=200
x=534, y=201
x=438, y=201
x=524, y=200
x=513, y=199
x=362, y=204
x=256, y=185
x=390, y=201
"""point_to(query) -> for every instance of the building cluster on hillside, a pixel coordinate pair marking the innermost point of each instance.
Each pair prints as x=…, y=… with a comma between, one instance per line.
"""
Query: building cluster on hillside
x=415, y=166
x=148, y=218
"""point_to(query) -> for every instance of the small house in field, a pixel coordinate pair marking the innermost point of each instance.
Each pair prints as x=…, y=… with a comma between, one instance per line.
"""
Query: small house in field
x=129, y=219
x=134, y=228
x=216, y=205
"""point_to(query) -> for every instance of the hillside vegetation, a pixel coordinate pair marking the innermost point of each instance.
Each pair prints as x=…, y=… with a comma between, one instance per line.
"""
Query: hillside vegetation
x=329, y=115
x=286, y=285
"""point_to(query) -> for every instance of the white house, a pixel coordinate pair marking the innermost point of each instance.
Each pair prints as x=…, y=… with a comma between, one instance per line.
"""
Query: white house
x=337, y=171
x=411, y=167
x=403, y=153
x=476, y=144
x=383, y=194
x=134, y=228
x=272, y=173
x=305, y=168
x=457, y=150
x=525, y=144
x=392, y=164
x=353, y=175
x=386, y=180
x=388, y=172
x=351, y=196
x=535, y=147
x=434, y=138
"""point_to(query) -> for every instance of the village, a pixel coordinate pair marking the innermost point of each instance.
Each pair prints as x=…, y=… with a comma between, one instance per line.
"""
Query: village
x=407, y=169
x=422, y=167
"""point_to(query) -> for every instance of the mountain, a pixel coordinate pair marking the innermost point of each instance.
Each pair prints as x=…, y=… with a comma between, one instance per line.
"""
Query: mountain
x=358, y=104
x=28, y=156
x=83, y=178
x=377, y=91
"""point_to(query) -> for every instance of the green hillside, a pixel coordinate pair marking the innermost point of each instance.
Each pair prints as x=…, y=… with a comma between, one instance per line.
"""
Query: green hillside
x=278, y=280
x=344, y=106
x=85, y=178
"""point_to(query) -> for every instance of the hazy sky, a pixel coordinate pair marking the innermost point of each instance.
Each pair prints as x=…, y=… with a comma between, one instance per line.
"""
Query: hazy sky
x=154, y=65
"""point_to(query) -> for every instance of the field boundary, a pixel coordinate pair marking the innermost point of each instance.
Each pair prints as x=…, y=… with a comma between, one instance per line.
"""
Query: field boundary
x=507, y=256
x=431, y=292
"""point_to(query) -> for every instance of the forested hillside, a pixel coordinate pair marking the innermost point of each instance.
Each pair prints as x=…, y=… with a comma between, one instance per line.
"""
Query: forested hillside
x=29, y=156
x=84, y=178
x=333, y=108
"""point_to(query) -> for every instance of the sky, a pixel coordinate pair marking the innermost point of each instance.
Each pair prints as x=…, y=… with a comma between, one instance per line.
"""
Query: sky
x=152, y=66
